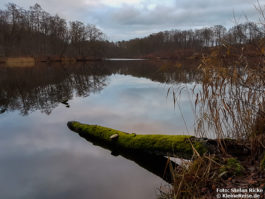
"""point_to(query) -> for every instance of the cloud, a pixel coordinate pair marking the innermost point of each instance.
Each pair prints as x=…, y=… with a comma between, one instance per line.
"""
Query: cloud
x=126, y=19
x=139, y=20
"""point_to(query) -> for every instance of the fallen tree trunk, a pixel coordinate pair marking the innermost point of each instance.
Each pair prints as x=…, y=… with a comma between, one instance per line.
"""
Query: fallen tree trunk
x=158, y=165
x=166, y=145
x=182, y=146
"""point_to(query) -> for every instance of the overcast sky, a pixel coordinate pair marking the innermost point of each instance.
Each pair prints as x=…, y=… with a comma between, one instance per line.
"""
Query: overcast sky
x=127, y=19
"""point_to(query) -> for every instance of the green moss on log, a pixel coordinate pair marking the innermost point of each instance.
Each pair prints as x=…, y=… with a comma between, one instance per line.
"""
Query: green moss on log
x=232, y=167
x=262, y=163
x=179, y=145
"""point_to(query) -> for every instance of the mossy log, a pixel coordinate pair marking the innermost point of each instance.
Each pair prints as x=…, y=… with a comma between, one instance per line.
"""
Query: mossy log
x=158, y=165
x=182, y=146
x=166, y=145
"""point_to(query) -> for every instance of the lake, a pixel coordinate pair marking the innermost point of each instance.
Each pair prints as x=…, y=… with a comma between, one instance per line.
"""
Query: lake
x=41, y=158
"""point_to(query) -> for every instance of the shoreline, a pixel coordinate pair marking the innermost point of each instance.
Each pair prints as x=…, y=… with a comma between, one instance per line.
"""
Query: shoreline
x=31, y=61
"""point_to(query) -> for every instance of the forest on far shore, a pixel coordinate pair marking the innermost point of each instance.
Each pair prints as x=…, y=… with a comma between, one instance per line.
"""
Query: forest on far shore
x=35, y=32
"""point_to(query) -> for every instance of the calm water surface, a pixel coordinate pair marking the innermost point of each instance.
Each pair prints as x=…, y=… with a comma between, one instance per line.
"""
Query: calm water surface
x=41, y=158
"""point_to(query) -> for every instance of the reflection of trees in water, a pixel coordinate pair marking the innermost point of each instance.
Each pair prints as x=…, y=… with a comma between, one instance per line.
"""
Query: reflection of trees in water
x=45, y=86
x=159, y=71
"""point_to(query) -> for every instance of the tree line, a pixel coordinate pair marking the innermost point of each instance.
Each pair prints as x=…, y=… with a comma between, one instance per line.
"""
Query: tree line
x=35, y=32
x=168, y=41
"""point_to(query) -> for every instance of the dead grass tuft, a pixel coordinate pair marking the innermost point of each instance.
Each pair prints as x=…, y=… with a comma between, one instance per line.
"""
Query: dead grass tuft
x=20, y=61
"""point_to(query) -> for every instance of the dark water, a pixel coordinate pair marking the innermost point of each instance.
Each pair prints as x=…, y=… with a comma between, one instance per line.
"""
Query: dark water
x=41, y=158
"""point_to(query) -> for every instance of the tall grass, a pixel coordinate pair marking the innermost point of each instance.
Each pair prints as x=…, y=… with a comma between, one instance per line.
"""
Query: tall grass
x=229, y=103
x=232, y=99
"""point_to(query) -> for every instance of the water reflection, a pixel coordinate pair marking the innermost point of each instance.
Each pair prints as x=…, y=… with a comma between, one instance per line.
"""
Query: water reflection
x=41, y=158
x=45, y=86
